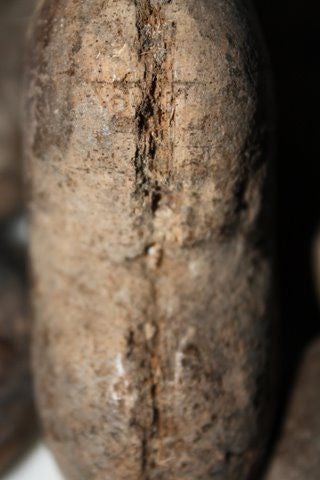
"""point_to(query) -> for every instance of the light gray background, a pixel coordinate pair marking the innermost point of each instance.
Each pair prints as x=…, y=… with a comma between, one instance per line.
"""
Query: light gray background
x=38, y=465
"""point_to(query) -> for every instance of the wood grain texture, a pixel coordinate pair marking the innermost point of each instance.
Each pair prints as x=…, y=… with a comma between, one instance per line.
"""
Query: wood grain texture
x=147, y=144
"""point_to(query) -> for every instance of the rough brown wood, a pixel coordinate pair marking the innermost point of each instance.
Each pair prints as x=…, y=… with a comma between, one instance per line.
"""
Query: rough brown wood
x=17, y=419
x=297, y=456
x=147, y=151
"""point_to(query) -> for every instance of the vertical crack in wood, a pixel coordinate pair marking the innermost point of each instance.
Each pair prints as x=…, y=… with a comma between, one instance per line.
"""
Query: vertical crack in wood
x=153, y=159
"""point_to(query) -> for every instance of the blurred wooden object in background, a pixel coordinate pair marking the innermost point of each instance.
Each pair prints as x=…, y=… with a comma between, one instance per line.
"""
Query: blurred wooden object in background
x=17, y=419
x=297, y=456
x=14, y=16
x=16, y=403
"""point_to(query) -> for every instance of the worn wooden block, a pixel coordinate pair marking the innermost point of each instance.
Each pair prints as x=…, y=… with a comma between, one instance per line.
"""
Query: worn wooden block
x=147, y=138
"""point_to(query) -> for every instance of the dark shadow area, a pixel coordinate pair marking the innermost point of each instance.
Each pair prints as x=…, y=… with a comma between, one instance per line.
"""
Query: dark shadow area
x=13, y=248
x=292, y=34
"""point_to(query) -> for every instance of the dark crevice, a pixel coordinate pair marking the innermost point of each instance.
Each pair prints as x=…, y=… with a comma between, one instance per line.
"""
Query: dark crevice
x=155, y=410
x=144, y=453
x=130, y=344
x=152, y=171
x=148, y=192
x=155, y=200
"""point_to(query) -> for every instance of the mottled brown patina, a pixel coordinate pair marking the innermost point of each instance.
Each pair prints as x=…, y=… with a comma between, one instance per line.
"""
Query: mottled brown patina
x=147, y=146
